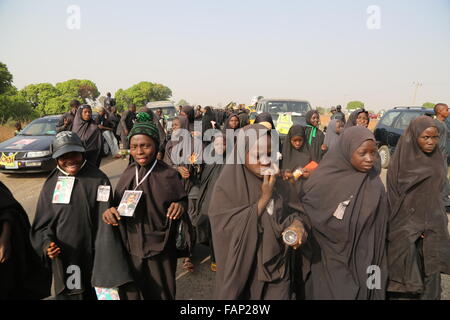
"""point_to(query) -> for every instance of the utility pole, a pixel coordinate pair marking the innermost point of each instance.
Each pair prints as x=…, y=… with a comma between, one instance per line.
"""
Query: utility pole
x=417, y=85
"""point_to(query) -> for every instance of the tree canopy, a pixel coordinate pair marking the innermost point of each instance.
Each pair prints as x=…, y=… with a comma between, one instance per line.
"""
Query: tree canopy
x=353, y=105
x=142, y=93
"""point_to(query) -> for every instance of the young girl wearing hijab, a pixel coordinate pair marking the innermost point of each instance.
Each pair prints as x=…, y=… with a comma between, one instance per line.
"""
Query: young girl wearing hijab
x=208, y=179
x=295, y=155
x=418, y=238
x=69, y=206
x=249, y=216
x=314, y=136
x=176, y=156
x=358, y=117
x=335, y=128
x=149, y=235
x=86, y=128
x=345, y=202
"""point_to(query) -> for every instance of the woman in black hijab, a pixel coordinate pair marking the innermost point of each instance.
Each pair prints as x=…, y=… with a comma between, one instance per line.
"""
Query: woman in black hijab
x=249, y=215
x=345, y=202
x=209, y=177
x=208, y=119
x=334, y=131
x=86, y=128
x=314, y=136
x=189, y=113
x=418, y=238
x=295, y=155
x=232, y=122
x=21, y=273
x=358, y=117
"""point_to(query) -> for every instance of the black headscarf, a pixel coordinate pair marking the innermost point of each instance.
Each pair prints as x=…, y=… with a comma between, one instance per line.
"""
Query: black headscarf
x=332, y=138
x=190, y=114
x=340, y=251
x=293, y=158
x=353, y=116
x=314, y=137
x=414, y=183
x=207, y=118
x=265, y=117
x=227, y=122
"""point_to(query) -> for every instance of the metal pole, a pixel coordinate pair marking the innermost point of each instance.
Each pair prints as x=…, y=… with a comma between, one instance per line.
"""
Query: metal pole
x=417, y=85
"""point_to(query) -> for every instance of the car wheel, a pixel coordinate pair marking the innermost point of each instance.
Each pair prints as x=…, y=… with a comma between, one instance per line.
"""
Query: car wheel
x=385, y=156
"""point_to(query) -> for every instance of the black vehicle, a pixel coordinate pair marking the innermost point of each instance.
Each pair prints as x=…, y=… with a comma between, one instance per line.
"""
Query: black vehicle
x=29, y=151
x=392, y=125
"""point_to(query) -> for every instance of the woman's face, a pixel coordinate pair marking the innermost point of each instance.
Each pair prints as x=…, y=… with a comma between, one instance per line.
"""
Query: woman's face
x=71, y=162
x=428, y=139
x=258, y=158
x=234, y=122
x=339, y=127
x=363, y=157
x=315, y=120
x=219, y=145
x=297, y=142
x=176, y=125
x=362, y=120
x=143, y=149
x=86, y=114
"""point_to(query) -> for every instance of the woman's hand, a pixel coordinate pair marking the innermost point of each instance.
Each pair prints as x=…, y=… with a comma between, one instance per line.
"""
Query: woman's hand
x=324, y=147
x=266, y=192
x=53, y=250
x=287, y=175
x=306, y=173
x=111, y=216
x=5, y=242
x=299, y=229
x=175, y=211
x=184, y=172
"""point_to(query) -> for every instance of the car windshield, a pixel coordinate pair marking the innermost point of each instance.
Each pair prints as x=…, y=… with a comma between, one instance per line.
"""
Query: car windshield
x=288, y=106
x=41, y=127
x=167, y=111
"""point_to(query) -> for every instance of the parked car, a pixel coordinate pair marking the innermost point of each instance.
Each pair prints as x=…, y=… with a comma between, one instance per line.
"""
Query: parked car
x=297, y=110
x=168, y=110
x=29, y=151
x=392, y=125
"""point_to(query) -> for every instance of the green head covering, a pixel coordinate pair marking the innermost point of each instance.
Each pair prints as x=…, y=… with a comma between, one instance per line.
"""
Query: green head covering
x=145, y=125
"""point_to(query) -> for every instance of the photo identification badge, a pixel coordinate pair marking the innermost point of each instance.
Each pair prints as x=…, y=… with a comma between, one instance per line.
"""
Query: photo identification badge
x=129, y=203
x=63, y=190
x=103, y=193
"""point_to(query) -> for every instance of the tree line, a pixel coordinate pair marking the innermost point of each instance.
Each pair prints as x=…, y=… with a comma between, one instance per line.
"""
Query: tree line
x=41, y=99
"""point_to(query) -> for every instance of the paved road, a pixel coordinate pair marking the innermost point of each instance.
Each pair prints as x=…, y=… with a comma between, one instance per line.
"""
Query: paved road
x=196, y=285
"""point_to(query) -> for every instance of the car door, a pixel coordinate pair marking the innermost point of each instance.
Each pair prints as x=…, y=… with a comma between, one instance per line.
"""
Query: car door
x=384, y=127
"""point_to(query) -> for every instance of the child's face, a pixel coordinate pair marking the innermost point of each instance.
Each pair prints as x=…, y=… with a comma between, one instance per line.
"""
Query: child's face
x=234, y=122
x=315, y=118
x=143, y=149
x=362, y=120
x=297, y=142
x=71, y=162
x=176, y=125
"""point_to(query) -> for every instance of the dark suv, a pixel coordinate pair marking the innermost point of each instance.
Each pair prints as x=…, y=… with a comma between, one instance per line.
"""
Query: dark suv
x=391, y=127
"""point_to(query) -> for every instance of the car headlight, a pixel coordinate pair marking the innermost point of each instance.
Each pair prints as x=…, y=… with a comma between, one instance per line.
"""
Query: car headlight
x=38, y=154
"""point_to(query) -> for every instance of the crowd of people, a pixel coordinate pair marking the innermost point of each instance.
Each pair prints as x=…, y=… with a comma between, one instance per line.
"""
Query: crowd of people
x=304, y=216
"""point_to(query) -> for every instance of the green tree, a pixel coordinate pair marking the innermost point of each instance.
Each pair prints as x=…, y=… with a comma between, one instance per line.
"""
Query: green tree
x=15, y=107
x=6, y=78
x=353, y=105
x=428, y=105
x=39, y=95
x=182, y=102
x=78, y=89
x=142, y=93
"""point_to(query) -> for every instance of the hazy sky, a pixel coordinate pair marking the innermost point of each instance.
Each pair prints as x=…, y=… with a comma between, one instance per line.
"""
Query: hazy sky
x=211, y=52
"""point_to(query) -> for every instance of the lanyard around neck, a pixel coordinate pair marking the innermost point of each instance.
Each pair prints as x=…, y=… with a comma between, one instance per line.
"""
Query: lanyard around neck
x=138, y=183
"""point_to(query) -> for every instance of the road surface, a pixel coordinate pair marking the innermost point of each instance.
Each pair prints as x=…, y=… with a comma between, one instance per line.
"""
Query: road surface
x=197, y=285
